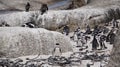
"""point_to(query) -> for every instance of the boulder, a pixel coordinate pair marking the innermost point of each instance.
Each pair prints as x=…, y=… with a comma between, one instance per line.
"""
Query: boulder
x=18, y=41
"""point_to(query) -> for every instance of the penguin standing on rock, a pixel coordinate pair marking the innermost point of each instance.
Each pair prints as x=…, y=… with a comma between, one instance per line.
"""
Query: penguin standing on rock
x=29, y=24
x=71, y=6
x=4, y=24
x=27, y=7
x=44, y=8
x=66, y=30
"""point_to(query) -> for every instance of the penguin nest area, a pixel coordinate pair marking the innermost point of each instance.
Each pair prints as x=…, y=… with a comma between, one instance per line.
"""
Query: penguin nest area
x=92, y=42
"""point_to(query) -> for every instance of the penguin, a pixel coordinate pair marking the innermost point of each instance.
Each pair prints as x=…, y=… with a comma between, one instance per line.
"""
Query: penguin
x=27, y=7
x=44, y=8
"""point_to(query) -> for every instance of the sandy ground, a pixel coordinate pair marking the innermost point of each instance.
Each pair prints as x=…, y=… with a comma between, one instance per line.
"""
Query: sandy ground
x=75, y=50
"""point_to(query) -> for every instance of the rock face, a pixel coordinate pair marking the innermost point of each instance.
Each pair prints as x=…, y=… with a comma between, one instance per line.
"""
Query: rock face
x=115, y=55
x=53, y=19
x=92, y=13
x=17, y=41
x=20, y=4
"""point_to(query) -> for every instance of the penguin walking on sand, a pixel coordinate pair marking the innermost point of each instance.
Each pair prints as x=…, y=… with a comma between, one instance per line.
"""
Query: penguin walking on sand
x=57, y=51
x=96, y=30
x=94, y=43
x=111, y=36
x=101, y=41
x=88, y=30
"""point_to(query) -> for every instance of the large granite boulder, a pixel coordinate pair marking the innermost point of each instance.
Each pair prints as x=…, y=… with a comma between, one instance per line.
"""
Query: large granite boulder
x=17, y=41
